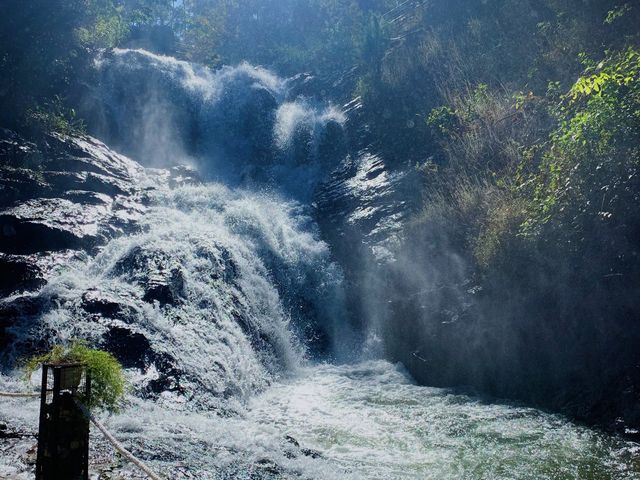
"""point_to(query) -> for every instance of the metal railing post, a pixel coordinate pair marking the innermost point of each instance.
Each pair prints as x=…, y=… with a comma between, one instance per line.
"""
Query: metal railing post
x=63, y=438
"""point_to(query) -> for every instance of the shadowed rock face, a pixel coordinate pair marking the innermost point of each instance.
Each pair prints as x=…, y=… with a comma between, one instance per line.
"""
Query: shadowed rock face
x=62, y=194
x=61, y=198
x=161, y=278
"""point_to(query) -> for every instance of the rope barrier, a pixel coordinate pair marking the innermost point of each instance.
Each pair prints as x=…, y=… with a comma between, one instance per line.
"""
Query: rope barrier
x=117, y=445
x=19, y=395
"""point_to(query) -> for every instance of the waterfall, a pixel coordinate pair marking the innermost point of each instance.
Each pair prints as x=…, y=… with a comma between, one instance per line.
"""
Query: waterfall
x=241, y=125
x=218, y=294
x=225, y=285
x=210, y=302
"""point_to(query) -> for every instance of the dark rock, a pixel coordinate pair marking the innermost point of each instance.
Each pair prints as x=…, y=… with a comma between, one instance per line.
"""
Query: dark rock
x=132, y=349
x=184, y=175
x=16, y=152
x=165, y=288
x=332, y=146
x=64, y=193
x=365, y=199
x=19, y=273
x=169, y=376
x=308, y=452
x=21, y=184
x=21, y=310
x=292, y=441
x=105, y=305
x=223, y=266
x=298, y=450
x=269, y=466
x=162, y=280
x=50, y=224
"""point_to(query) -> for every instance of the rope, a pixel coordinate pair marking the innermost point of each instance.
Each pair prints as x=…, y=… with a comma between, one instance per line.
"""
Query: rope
x=19, y=395
x=117, y=445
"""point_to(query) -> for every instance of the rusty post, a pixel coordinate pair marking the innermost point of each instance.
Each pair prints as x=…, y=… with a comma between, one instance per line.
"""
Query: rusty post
x=63, y=438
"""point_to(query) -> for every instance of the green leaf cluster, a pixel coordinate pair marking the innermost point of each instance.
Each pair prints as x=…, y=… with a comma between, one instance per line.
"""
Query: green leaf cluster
x=590, y=164
x=108, y=384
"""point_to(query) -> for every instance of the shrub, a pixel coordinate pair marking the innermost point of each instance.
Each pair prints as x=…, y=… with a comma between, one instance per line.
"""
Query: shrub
x=588, y=173
x=53, y=116
x=107, y=377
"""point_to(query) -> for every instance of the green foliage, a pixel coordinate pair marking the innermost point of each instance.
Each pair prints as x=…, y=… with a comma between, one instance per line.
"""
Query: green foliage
x=444, y=119
x=374, y=43
x=108, y=384
x=617, y=70
x=106, y=31
x=591, y=163
x=53, y=116
x=617, y=12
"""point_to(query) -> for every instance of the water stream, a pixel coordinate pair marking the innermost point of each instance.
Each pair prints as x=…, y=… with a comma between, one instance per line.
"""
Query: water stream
x=364, y=421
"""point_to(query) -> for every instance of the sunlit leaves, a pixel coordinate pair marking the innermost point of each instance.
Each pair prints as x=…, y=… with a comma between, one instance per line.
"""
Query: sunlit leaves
x=620, y=70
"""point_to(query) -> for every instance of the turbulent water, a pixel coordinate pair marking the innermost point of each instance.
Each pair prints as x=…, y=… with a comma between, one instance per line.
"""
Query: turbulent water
x=241, y=124
x=226, y=360
x=254, y=282
x=365, y=421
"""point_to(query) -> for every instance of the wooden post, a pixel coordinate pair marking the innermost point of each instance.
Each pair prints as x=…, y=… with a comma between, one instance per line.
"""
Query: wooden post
x=63, y=438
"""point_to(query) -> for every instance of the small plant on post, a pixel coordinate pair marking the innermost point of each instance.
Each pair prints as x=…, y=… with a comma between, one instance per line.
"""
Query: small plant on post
x=74, y=379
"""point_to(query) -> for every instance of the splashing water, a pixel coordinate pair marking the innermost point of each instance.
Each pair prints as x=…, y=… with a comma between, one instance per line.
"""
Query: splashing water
x=238, y=124
x=242, y=279
x=369, y=421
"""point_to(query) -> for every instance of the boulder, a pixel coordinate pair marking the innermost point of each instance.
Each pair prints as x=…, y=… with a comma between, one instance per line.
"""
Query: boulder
x=161, y=279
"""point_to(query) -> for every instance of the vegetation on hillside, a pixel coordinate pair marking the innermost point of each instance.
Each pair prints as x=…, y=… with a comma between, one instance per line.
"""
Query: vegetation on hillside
x=531, y=201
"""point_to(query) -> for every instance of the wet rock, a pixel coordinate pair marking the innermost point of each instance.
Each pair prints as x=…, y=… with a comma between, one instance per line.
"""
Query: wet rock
x=308, y=452
x=365, y=199
x=165, y=287
x=17, y=152
x=223, y=267
x=184, y=175
x=304, y=84
x=298, y=450
x=19, y=273
x=24, y=311
x=50, y=224
x=63, y=193
x=292, y=441
x=105, y=305
x=131, y=348
x=332, y=146
x=31, y=456
x=21, y=184
x=269, y=466
x=162, y=280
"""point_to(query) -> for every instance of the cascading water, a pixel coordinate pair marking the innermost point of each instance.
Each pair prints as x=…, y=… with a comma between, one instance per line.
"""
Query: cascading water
x=225, y=299
x=239, y=124
x=215, y=326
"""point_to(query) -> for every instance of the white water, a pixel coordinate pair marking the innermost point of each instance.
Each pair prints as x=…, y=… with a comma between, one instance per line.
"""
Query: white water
x=368, y=421
x=238, y=124
x=250, y=262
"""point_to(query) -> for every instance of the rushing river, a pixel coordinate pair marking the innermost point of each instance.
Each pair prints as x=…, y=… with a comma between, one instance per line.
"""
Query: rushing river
x=364, y=421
